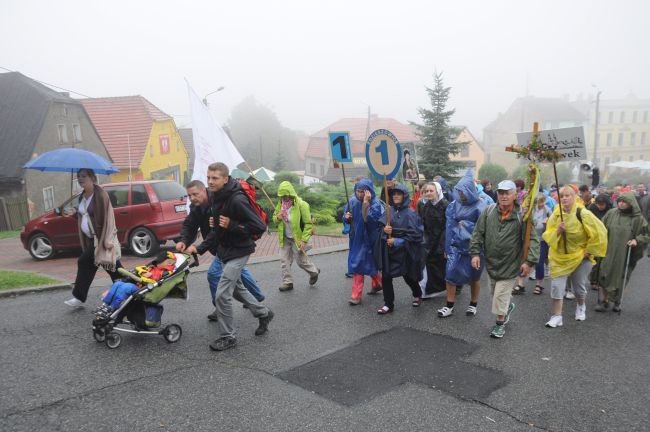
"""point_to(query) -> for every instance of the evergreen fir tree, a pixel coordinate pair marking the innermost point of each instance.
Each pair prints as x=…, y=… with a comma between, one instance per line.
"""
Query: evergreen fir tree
x=437, y=137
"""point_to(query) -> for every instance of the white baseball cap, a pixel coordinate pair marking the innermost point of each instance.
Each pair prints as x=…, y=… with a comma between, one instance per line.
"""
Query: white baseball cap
x=506, y=185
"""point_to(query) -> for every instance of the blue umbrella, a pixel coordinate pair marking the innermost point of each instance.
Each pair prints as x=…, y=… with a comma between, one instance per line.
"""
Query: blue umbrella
x=71, y=160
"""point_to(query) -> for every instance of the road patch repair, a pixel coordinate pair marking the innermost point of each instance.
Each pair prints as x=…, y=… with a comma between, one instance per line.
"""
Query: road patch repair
x=380, y=362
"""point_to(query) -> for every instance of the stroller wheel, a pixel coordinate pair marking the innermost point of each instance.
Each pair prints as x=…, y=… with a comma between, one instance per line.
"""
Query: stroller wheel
x=113, y=340
x=99, y=334
x=172, y=333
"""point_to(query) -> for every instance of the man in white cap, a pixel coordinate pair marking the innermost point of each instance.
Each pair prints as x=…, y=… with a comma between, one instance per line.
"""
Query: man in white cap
x=499, y=234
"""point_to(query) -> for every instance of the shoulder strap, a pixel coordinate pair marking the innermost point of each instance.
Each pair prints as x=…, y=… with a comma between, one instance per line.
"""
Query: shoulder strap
x=579, y=214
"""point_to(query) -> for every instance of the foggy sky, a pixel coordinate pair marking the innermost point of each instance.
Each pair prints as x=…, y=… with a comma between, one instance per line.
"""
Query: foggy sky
x=314, y=62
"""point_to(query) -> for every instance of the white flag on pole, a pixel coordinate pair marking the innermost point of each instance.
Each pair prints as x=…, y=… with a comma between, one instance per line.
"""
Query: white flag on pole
x=211, y=143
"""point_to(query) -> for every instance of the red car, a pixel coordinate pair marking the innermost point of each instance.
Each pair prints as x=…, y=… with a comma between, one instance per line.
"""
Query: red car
x=147, y=213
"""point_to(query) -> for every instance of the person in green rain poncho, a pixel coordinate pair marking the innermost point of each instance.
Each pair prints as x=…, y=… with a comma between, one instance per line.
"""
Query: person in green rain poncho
x=626, y=228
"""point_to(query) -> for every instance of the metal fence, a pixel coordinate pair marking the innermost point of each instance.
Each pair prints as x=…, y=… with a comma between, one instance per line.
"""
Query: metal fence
x=13, y=213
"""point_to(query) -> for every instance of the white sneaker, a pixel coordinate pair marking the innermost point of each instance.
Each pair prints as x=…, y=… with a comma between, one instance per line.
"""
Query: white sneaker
x=569, y=295
x=74, y=302
x=532, y=275
x=581, y=312
x=471, y=310
x=445, y=312
x=555, y=321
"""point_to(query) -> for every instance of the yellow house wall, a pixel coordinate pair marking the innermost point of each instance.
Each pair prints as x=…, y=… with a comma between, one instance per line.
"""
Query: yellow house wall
x=154, y=160
x=475, y=151
x=123, y=175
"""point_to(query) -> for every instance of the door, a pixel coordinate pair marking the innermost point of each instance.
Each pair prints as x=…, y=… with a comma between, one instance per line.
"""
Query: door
x=119, y=196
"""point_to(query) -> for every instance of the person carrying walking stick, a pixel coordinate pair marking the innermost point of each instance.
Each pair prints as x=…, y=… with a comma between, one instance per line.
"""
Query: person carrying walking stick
x=628, y=233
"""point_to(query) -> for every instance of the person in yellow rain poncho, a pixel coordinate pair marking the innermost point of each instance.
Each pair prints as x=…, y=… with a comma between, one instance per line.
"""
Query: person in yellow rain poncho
x=573, y=244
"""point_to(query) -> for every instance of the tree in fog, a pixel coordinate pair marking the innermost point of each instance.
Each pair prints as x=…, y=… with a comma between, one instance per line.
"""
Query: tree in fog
x=260, y=137
x=436, y=135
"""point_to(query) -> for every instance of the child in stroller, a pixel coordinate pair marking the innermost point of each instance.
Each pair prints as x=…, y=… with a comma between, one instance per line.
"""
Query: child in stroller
x=162, y=266
x=132, y=304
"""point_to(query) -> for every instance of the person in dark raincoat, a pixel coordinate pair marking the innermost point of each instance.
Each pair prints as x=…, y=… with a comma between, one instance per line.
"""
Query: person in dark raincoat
x=362, y=215
x=462, y=215
x=626, y=229
x=601, y=205
x=432, y=211
x=400, y=247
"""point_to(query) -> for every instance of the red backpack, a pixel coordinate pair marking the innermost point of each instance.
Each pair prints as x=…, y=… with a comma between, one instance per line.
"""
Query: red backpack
x=251, y=193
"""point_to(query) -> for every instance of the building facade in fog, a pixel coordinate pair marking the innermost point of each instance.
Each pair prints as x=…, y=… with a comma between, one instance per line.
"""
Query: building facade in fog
x=143, y=141
x=35, y=119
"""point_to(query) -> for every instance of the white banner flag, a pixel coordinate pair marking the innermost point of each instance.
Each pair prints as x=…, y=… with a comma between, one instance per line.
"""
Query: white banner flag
x=211, y=143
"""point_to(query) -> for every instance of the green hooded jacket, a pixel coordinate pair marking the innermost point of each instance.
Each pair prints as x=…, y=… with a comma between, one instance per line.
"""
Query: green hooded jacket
x=299, y=213
x=502, y=241
x=622, y=227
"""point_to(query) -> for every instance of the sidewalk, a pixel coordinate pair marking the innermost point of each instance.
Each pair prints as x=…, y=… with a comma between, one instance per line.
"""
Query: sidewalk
x=64, y=267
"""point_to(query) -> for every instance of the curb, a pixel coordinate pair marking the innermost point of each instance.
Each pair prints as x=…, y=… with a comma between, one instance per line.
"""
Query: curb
x=202, y=268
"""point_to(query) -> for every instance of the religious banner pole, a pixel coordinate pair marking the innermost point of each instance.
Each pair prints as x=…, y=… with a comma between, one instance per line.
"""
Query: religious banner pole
x=345, y=184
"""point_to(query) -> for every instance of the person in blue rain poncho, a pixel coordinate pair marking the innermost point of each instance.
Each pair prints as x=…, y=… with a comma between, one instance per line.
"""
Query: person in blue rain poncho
x=362, y=216
x=400, y=247
x=462, y=215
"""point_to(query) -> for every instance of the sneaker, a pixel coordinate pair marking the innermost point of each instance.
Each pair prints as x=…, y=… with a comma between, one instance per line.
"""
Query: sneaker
x=74, y=302
x=314, y=278
x=213, y=316
x=286, y=287
x=445, y=312
x=264, y=323
x=348, y=275
x=569, y=295
x=417, y=301
x=223, y=343
x=384, y=310
x=354, y=302
x=555, y=321
x=511, y=308
x=498, y=331
x=581, y=312
x=471, y=310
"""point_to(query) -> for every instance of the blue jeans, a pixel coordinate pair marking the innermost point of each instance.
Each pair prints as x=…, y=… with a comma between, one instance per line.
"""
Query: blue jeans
x=216, y=270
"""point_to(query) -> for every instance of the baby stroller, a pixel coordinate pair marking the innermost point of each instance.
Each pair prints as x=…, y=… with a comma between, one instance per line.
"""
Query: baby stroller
x=142, y=309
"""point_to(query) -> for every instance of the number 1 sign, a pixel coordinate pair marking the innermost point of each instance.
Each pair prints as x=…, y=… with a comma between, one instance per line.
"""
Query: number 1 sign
x=340, y=146
x=383, y=154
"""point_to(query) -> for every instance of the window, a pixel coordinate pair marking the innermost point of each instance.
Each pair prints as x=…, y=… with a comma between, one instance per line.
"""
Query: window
x=464, y=150
x=119, y=195
x=76, y=131
x=634, y=118
x=63, y=134
x=632, y=138
x=610, y=117
x=609, y=139
x=322, y=170
x=642, y=138
x=645, y=116
x=312, y=168
x=48, y=198
x=168, y=190
x=620, y=139
x=621, y=118
x=139, y=194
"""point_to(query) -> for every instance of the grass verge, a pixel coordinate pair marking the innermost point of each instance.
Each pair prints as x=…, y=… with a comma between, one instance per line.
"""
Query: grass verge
x=17, y=279
x=9, y=234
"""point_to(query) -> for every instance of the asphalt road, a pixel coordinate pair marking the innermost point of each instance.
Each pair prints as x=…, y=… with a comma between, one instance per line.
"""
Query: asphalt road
x=586, y=376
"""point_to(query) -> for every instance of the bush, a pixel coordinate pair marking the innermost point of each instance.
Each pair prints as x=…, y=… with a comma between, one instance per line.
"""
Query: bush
x=493, y=172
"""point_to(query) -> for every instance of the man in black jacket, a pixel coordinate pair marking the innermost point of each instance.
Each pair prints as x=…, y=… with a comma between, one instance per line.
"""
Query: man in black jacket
x=235, y=224
x=198, y=220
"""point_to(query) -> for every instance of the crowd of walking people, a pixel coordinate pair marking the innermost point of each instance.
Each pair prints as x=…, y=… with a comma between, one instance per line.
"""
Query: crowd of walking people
x=437, y=243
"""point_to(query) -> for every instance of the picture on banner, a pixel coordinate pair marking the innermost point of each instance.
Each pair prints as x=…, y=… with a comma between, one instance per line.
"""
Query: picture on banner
x=410, y=171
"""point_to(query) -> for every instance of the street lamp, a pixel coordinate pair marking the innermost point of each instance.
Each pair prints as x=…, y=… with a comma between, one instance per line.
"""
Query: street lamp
x=205, y=98
x=596, y=124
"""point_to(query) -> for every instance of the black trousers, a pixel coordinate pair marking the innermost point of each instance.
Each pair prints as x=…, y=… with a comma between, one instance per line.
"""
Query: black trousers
x=86, y=270
x=436, y=269
x=389, y=292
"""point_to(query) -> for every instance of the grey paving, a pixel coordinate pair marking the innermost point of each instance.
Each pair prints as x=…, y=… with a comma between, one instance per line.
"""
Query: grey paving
x=586, y=376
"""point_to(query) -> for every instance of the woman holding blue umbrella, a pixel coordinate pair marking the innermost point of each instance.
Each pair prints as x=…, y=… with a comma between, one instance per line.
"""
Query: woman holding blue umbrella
x=97, y=234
